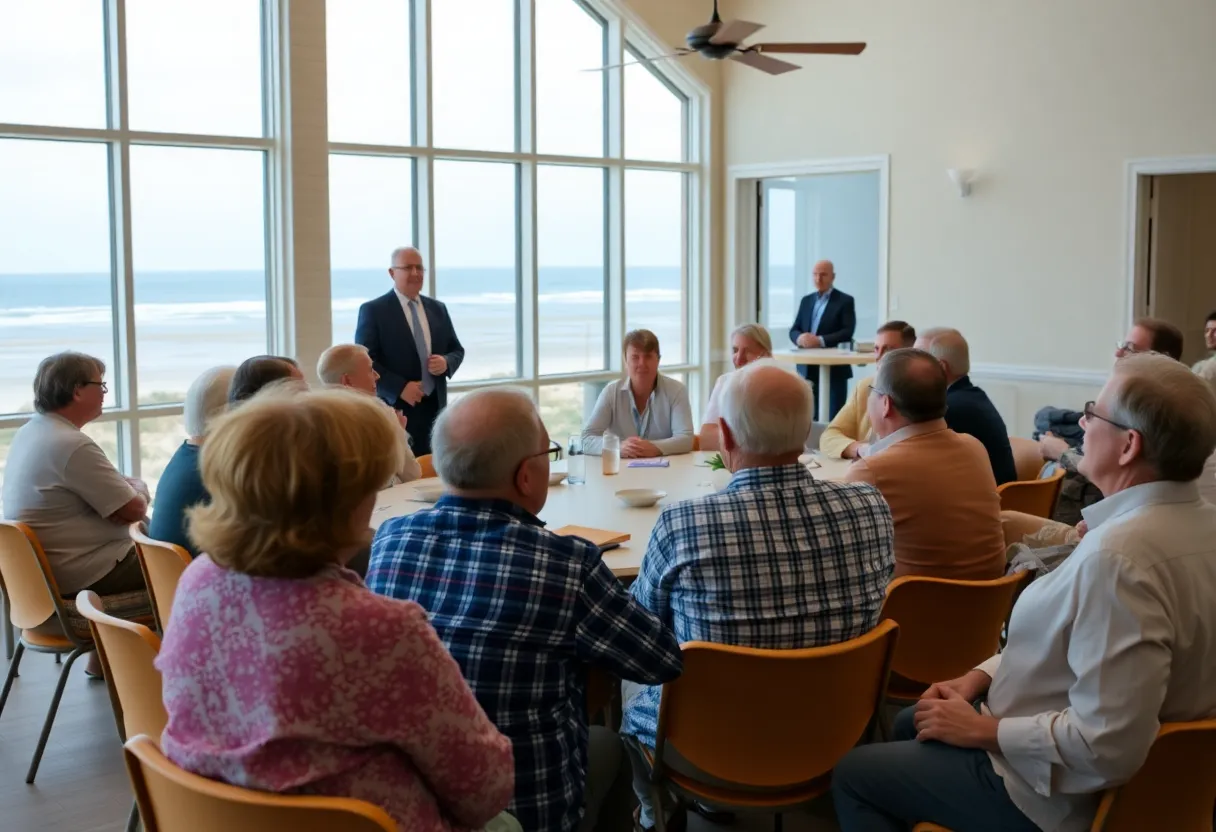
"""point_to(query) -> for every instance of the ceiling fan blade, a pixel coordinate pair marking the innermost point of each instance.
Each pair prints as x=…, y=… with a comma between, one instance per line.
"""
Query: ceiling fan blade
x=812, y=48
x=735, y=31
x=679, y=54
x=764, y=63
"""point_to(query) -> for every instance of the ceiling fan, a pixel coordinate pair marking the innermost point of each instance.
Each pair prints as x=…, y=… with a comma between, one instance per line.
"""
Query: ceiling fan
x=718, y=40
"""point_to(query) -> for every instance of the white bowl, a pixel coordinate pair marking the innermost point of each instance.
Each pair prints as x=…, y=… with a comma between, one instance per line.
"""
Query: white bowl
x=556, y=477
x=640, y=497
x=428, y=493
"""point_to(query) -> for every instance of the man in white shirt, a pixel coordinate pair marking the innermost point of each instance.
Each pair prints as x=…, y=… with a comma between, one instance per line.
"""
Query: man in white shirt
x=1120, y=638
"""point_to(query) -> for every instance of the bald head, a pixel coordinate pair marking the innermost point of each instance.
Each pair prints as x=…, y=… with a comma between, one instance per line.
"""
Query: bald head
x=766, y=410
x=824, y=274
x=407, y=271
x=950, y=348
x=480, y=440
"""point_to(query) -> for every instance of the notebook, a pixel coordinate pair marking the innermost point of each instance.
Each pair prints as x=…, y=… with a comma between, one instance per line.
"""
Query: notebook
x=604, y=539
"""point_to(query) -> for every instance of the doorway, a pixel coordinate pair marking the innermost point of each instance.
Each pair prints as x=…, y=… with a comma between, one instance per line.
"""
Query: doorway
x=1174, y=257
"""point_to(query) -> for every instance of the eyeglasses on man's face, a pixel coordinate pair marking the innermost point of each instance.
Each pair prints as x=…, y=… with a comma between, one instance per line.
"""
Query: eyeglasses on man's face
x=1128, y=348
x=105, y=388
x=409, y=268
x=1091, y=413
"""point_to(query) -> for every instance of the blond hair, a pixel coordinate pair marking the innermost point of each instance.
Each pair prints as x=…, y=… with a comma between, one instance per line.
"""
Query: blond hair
x=758, y=334
x=338, y=361
x=286, y=471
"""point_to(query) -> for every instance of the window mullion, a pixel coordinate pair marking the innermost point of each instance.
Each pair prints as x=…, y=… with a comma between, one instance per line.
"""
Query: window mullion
x=614, y=194
x=527, y=282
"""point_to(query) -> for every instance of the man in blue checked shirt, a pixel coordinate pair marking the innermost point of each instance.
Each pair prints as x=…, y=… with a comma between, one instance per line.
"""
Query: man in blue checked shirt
x=523, y=611
x=777, y=560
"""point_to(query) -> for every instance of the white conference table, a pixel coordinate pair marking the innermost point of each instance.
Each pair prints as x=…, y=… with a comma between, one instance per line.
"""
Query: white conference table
x=594, y=503
x=825, y=359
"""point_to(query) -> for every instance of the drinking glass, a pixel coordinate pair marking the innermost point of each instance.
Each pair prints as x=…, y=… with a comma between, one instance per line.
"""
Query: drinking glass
x=576, y=461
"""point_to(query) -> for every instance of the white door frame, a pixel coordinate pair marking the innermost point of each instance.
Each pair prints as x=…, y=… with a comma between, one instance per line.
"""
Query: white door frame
x=742, y=218
x=1136, y=207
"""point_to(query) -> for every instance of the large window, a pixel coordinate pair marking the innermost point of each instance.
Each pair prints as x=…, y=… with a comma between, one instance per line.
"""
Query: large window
x=135, y=157
x=550, y=198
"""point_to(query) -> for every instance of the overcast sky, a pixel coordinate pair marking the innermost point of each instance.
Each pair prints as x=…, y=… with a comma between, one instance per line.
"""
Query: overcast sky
x=195, y=67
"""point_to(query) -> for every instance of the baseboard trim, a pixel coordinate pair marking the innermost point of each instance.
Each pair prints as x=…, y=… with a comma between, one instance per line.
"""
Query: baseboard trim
x=1044, y=375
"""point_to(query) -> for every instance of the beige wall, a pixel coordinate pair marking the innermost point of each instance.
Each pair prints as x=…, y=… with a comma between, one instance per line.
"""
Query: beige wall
x=1046, y=99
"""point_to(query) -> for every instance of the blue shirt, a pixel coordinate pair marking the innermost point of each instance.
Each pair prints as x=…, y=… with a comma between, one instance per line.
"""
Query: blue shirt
x=524, y=612
x=778, y=560
x=821, y=303
x=180, y=487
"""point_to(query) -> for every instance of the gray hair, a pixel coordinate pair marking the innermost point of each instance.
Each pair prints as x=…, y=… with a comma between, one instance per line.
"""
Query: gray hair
x=479, y=441
x=207, y=398
x=915, y=381
x=766, y=417
x=1172, y=409
x=58, y=377
x=338, y=361
x=392, y=258
x=948, y=345
x=757, y=333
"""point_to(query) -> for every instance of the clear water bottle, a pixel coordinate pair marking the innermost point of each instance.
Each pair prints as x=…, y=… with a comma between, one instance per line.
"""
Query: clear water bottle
x=576, y=461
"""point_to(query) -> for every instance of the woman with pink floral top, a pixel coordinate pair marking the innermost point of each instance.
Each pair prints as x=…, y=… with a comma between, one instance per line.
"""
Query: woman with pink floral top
x=282, y=672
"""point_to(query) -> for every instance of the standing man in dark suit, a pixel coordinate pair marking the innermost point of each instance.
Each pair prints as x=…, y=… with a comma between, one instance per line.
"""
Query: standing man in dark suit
x=968, y=408
x=413, y=346
x=825, y=319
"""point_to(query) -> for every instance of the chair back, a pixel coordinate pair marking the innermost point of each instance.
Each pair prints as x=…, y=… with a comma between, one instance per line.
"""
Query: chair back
x=162, y=564
x=947, y=627
x=171, y=798
x=1037, y=497
x=772, y=719
x=127, y=651
x=427, y=465
x=1027, y=459
x=33, y=594
x=1174, y=789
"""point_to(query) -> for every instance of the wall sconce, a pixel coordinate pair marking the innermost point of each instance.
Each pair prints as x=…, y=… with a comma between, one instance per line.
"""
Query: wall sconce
x=962, y=180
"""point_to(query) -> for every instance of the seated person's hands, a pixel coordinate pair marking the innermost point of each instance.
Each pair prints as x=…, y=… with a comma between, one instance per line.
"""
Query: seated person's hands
x=1051, y=446
x=637, y=448
x=969, y=686
x=954, y=721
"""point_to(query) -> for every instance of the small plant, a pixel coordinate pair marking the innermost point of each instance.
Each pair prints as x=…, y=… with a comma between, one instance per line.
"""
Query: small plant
x=715, y=463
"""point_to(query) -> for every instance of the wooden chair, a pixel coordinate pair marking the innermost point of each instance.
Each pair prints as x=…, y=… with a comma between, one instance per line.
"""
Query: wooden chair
x=127, y=651
x=945, y=628
x=427, y=466
x=1027, y=458
x=48, y=622
x=172, y=799
x=1174, y=789
x=764, y=728
x=162, y=564
x=696, y=441
x=1037, y=497
x=10, y=632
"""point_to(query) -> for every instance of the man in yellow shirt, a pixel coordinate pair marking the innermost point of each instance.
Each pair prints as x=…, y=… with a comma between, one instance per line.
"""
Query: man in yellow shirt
x=848, y=435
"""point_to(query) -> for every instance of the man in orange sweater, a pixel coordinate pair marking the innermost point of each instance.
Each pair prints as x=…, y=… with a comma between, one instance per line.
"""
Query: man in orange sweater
x=938, y=483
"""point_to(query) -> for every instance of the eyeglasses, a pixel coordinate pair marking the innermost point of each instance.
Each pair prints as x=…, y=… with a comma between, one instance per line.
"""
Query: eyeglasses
x=105, y=388
x=419, y=269
x=1090, y=413
x=1128, y=347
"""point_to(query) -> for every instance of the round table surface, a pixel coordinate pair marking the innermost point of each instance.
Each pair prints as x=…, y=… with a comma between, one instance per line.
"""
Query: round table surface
x=594, y=503
x=824, y=357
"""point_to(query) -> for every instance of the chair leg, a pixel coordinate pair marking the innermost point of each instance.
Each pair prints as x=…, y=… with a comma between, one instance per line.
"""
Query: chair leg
x=12, y=674
x=133, y=818
x=777, y=823
x=50, y=714
x=9, y=638
x=660, y=811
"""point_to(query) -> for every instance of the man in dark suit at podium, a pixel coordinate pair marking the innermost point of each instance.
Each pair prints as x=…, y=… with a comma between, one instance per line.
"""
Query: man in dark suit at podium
x=413, y=346
x=825, y=318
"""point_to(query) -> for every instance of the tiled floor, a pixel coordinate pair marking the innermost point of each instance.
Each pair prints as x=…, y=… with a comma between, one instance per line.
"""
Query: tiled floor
x=82, y=785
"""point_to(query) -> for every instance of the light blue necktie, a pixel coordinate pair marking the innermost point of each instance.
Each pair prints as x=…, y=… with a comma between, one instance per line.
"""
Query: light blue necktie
x=428, y=380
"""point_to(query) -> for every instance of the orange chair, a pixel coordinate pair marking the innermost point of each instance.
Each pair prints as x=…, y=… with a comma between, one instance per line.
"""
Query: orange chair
x=1175, y=788
x=171, y=798
x=48, y=622
x=1027, y=459
x=945, y=627
x=1037, y=497
x=696, y=441
x=427, y=466
x=162, y=564
x=763, y=728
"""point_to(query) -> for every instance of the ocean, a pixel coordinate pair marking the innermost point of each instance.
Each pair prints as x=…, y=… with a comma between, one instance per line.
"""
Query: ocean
x=187, y=321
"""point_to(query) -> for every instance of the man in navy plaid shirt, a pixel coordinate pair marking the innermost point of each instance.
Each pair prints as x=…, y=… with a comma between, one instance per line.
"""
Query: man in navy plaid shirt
x=523, y=611
x=777, y=560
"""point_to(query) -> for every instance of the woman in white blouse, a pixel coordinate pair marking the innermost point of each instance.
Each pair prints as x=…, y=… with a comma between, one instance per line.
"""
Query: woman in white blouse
x=747, y=343
x=648, y=411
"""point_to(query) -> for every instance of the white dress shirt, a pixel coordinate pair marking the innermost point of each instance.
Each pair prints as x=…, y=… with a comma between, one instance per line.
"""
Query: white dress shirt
x=409, y=318
x=666, y=421
x=1120, y=638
